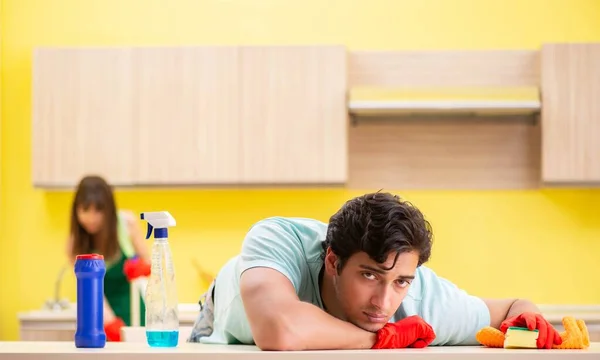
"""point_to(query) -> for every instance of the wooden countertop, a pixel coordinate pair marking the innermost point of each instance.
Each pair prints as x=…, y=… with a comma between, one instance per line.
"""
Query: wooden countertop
x=185, y=351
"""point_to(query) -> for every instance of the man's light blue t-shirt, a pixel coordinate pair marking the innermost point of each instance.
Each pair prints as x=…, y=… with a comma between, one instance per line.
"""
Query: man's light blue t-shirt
x=292, y=246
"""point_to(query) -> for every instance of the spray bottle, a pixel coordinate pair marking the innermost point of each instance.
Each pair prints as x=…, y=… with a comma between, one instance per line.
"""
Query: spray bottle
x=162, y=314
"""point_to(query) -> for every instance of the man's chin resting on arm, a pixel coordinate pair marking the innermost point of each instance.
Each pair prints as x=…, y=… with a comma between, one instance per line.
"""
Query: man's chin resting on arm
x=280, y=321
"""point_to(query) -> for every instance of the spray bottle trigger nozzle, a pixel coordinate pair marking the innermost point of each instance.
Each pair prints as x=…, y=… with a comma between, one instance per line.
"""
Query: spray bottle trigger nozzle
x=149, y=231
x=159, y=220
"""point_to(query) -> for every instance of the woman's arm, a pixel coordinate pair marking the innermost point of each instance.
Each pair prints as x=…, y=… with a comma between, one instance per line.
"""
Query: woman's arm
x=137, y=238
x=109, y=314
x=69, y=250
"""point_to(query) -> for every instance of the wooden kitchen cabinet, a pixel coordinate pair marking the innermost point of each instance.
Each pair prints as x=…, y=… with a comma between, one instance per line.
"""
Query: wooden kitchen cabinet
x=186, y=107
x=82, y=116
x=137, y=116
x=293, y=114
x=570, y=86
x=444, y=119
x=190, y=115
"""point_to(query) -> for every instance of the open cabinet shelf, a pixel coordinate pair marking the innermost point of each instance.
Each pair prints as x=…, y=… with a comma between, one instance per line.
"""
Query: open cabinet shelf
x=440, y=107
x=482, y=128
x=444, y=101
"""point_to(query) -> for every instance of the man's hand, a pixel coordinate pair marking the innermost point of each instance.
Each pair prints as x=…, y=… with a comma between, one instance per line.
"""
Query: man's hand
x=548, y=335
x=412, y=331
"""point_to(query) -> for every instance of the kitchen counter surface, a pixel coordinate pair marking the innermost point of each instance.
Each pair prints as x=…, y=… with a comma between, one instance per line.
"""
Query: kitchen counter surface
x=138, y=351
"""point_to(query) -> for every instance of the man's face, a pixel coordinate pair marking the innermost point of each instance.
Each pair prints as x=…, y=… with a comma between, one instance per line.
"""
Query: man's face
x=369, y=295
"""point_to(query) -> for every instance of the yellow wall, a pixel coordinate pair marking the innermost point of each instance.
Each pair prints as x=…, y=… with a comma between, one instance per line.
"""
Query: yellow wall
x=1, y=191
x=543, y=245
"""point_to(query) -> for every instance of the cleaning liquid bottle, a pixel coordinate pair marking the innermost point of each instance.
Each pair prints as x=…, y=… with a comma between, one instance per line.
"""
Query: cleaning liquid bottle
x=162, y=313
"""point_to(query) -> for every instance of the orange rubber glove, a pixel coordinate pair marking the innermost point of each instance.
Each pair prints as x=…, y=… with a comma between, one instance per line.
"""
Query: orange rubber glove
x=411, y=331
x=134, y=268
x=548, y=335
x=113, y=329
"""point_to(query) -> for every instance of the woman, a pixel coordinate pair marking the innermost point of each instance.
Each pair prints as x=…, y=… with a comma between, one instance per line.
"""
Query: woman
x=97, y=227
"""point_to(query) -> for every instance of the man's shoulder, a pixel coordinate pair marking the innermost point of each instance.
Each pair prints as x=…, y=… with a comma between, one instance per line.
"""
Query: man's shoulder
x=296, y=228
x=426, y=284
x=301, y=223
x=429, y=286
x=289, y=232
x=454, y=314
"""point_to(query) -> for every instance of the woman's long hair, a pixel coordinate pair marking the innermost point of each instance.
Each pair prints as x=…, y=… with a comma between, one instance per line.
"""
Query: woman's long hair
x=95, y=191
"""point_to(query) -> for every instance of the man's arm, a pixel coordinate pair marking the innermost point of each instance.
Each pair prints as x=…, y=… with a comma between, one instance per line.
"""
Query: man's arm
x=272, y=270
x=523, y=313
x=455, y=315
x=502, y=309
x=280, y=321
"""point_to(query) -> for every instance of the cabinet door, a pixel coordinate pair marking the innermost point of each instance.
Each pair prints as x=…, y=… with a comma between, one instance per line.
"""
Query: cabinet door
x=186, y=106
x=82, y=116
x=571, y=113
x=293, y=114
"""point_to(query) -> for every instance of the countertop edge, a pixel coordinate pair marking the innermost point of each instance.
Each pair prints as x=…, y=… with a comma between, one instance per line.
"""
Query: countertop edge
x=48, y=349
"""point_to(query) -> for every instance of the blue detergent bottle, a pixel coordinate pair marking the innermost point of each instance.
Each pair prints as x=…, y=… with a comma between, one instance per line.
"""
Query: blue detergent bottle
x=162, y=312
x=89, y=271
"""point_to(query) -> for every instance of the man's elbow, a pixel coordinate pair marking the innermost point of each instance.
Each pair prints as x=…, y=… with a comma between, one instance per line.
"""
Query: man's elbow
x=276, y=343
x=275, y=336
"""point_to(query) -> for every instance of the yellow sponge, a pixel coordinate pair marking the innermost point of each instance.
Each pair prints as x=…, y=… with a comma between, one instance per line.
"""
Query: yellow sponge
x=520, y=338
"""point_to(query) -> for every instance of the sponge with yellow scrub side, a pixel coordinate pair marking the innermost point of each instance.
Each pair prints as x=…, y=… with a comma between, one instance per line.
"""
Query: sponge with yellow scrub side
x=520, y=338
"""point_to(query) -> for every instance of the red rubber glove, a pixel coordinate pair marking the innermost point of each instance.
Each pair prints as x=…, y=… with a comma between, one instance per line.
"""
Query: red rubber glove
x=134, y=268
x=411, y=331
x=547, y=333
x=113, y=329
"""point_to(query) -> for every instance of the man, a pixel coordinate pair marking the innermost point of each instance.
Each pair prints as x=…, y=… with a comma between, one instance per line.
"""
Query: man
x=357, y=282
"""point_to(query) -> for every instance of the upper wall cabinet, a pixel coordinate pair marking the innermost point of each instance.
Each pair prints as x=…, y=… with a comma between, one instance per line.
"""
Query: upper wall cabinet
x=187, y=110
x=570, y=87
x=190, y=115
x=293, y=114
x=83, y=118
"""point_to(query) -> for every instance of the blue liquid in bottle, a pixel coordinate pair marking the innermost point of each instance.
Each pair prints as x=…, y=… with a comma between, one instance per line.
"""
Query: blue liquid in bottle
x=158, y=338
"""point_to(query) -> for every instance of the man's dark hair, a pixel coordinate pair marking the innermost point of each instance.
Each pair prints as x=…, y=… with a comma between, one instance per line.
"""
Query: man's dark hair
x=378, y=224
